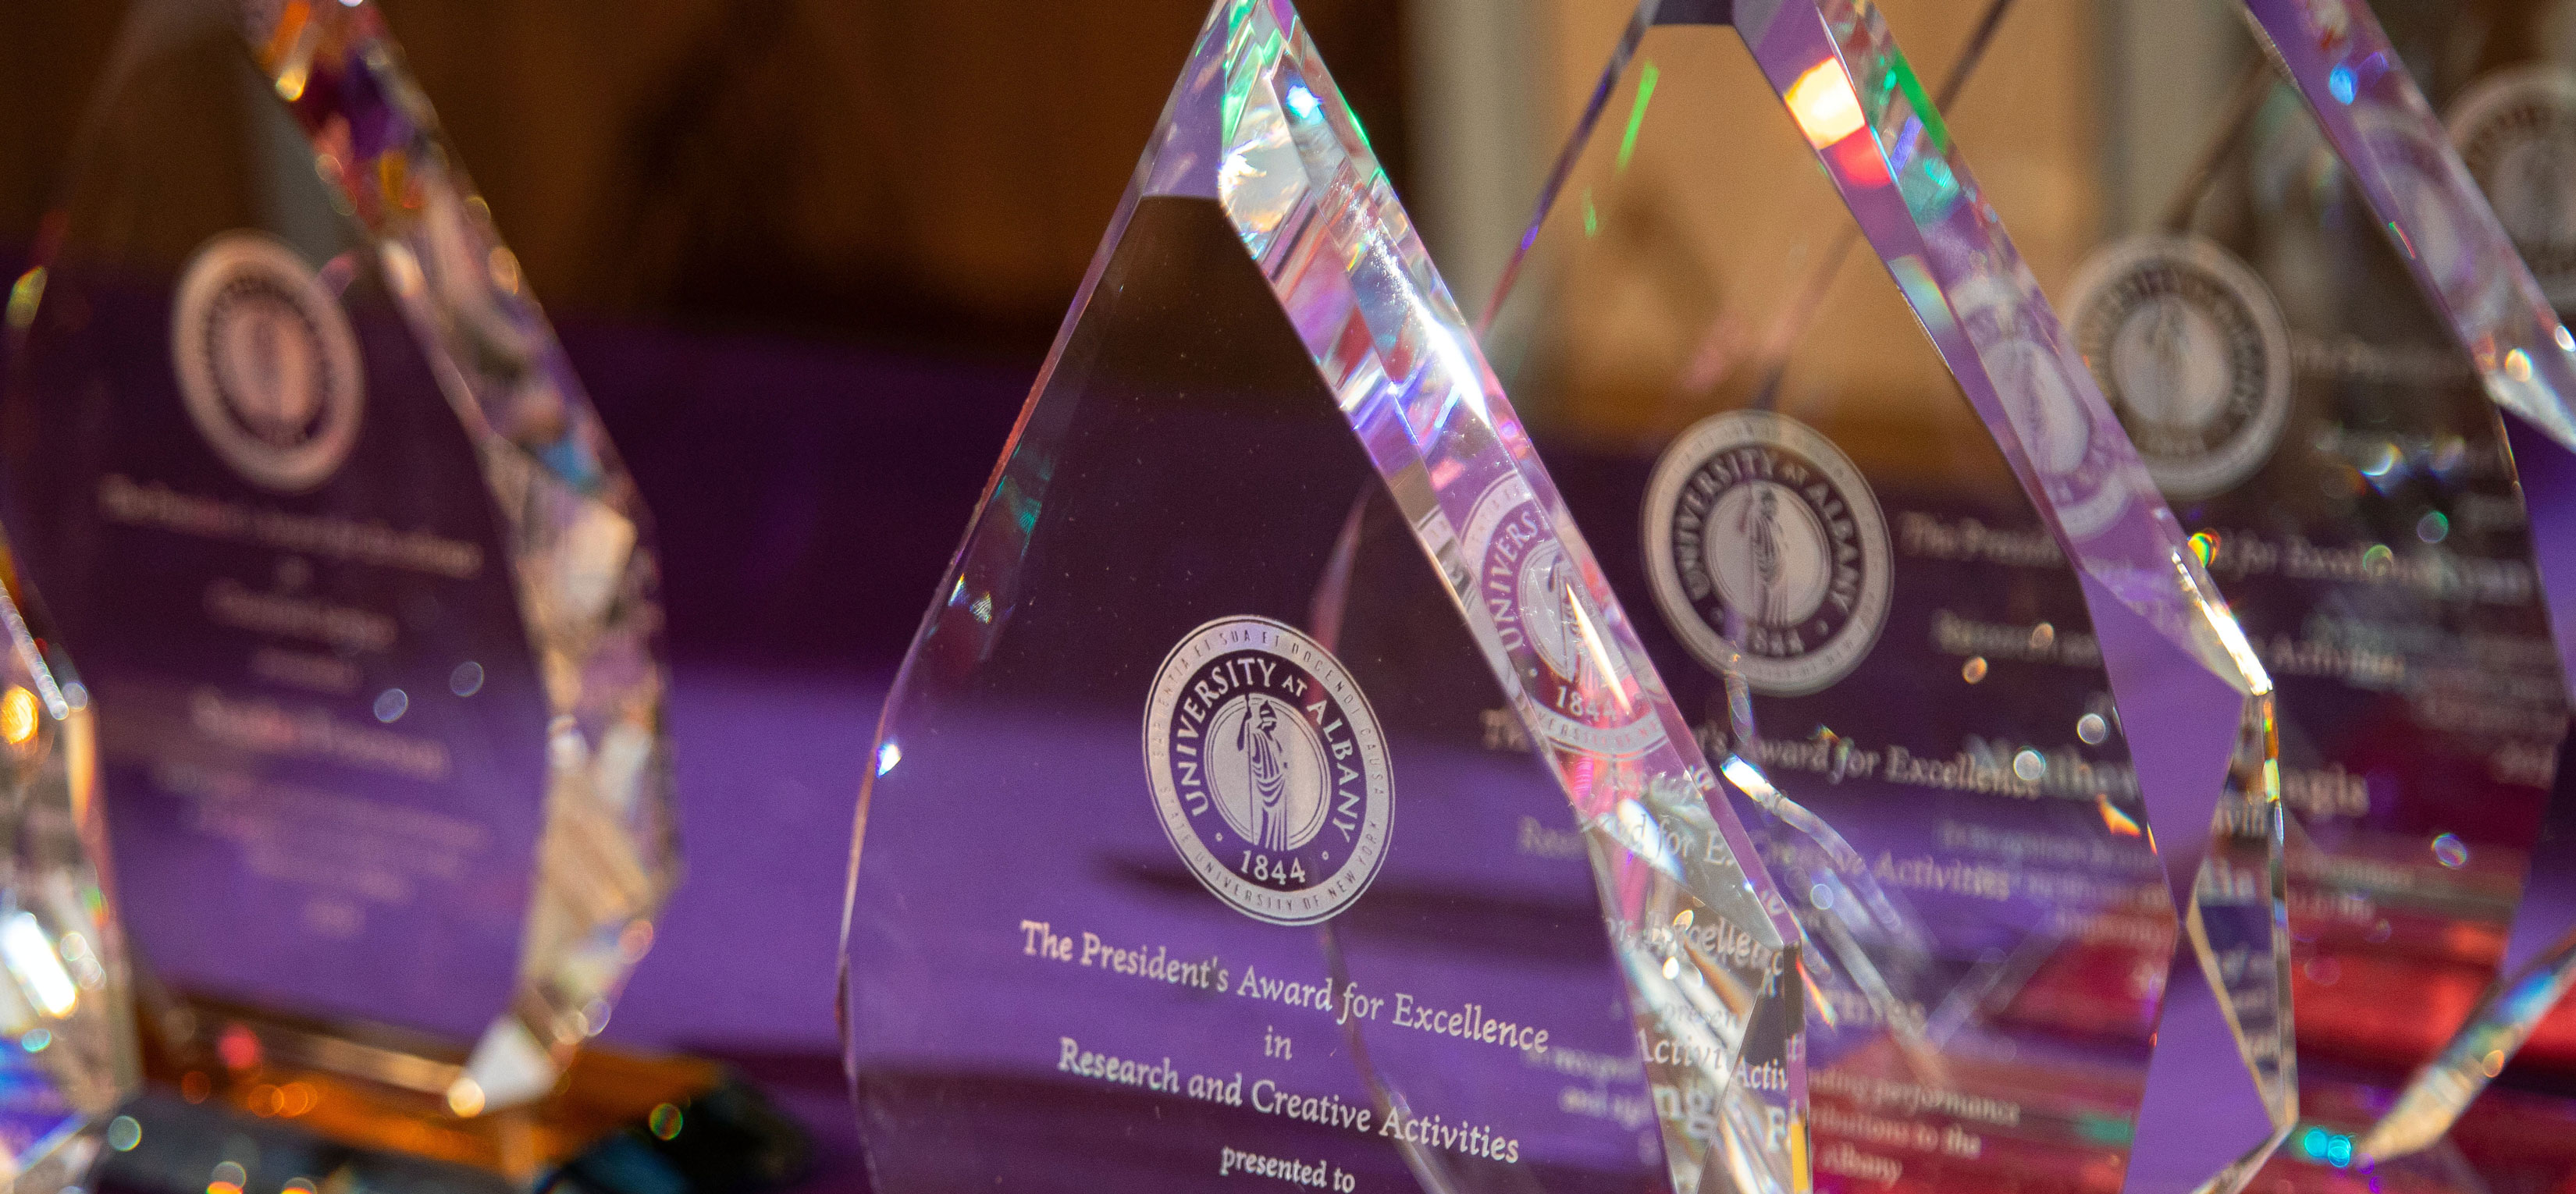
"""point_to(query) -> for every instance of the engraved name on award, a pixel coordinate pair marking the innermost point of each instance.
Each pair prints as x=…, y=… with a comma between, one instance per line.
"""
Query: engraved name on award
x=370, y=598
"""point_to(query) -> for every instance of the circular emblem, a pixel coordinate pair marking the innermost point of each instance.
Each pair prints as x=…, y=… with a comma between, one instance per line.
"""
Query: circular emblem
x=267, y=365
x=1550, y=629
x=1760, y=532
x=2193, y=355
x=2516, y=131
x=1268, y=770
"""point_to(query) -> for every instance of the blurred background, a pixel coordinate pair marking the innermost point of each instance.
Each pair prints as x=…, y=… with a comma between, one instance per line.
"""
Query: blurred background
x=809, y=255
x=817, y=247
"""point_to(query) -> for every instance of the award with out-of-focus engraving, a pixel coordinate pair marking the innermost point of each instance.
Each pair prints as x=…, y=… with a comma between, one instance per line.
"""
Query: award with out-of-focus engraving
x=372, y=601
x=2309, y=320
x=1914, y=585
x=2300, y=311
x=1275, y=792
x=2504, y=339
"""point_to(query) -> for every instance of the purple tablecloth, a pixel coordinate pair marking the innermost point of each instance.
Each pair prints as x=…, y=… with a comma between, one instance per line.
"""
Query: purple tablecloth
x=807, y=499
x=769, y=766
x=742, y=968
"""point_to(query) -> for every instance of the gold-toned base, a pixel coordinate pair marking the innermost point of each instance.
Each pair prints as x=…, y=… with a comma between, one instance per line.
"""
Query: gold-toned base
x=383, y=1089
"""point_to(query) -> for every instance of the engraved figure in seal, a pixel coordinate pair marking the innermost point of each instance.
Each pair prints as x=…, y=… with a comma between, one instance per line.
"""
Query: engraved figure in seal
x=1268, y=772
x=2170, y=363
x=1257, y=736
x=268, y=371
x=1767, y=551
x=1762, y=537
x=1553, y=611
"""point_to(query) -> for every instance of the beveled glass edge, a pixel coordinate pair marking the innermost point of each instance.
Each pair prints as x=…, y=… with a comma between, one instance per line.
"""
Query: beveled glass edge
x=1914, y=200
x=1347, y=268
x=1444, y=435
x=2343, y=65
x=103, y=1025
x=338, y=70
x=1845, y=83
x=572, y=513
x=1957, y=270
x=2340, y=60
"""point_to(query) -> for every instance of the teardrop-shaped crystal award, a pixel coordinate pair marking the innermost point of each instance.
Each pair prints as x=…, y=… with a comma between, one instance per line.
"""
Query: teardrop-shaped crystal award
x=1915, y=586
x=2306, y=319
x=370, y=598
x=2501, y=326
x=1274, y=790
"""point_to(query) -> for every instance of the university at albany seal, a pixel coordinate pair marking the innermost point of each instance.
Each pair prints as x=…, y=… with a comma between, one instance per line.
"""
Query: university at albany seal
x=2516, y=131
x=1760, y=530
x=2192, y=353
x=1268, y=770
x=267, y=365
x=1550, y=631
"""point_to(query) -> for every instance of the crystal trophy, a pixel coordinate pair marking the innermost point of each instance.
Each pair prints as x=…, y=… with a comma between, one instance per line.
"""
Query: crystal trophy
x=1274, y=789
x=67, y=1049
x=2463, y=262
x=1918, y=594
x=2300, y=313
x=370, y=599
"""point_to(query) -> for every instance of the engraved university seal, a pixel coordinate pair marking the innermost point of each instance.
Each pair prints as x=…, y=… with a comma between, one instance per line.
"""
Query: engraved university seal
x=267, y=365
x=2516, y=131
x=2192, y=354
x=1550, y=630
x=1759, y=530
x=1268, y=770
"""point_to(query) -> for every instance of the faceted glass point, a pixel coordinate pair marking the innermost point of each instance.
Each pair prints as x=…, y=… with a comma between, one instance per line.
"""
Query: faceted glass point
x=572, y=526
x=1920, y=597
x=2311, y=372
x=66, y=1007
x=363, y=572
x=1402, y=748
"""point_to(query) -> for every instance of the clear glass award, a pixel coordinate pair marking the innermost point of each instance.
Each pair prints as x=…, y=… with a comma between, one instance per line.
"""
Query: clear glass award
x=1915, y=587
x=1275, y=790
x=2498, y=315
x=2306, y=319
x=370, y=598
x=67, y=1048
